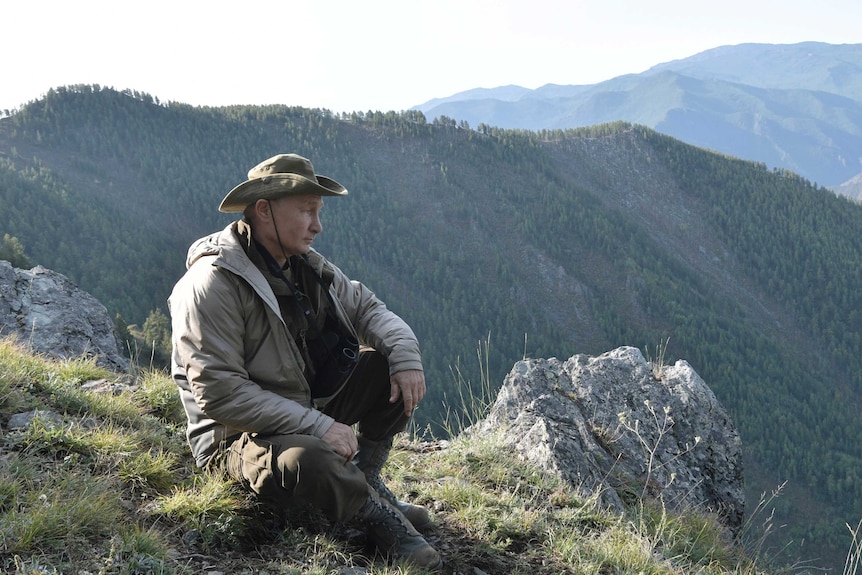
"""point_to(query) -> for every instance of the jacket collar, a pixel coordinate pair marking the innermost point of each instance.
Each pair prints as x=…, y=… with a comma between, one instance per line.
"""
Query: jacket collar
x=230, y=254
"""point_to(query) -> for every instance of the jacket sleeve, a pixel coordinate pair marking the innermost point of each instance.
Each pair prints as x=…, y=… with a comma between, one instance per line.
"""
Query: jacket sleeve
x=210, y=336
x=377, y=325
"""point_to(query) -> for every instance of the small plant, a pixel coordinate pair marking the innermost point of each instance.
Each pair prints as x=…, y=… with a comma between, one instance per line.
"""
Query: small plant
x=663, y=425
x=137, y=552
x=658, y=364
x=32, y=567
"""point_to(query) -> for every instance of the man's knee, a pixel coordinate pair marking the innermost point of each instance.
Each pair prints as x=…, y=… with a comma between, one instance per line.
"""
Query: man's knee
x=287, y=469
x=307, y=455
x=315, y=474
x=267, y=464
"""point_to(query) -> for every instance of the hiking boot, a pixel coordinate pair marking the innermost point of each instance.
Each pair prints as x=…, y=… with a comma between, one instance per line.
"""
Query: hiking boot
x=370, y=459
x=416, y=514
x=394, y=535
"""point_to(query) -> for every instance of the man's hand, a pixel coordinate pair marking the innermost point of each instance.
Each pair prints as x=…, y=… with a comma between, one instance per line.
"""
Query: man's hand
x=408, y=385
x=342, y=440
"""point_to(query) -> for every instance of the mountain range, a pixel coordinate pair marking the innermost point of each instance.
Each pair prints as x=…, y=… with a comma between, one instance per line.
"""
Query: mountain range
x=796, y=107
x=540, y=244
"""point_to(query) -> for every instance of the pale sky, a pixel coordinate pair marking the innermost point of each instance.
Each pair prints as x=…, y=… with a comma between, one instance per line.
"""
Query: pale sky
x=349, y=55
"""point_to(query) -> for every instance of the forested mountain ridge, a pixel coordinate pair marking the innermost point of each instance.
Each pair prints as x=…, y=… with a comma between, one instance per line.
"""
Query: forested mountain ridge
x=791, y=106
x=553, y=242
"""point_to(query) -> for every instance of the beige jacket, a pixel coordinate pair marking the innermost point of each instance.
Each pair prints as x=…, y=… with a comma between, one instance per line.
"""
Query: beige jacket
x=234, y=360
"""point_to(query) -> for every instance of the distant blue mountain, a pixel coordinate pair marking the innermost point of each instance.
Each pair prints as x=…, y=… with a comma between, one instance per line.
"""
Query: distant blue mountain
x=791, y=106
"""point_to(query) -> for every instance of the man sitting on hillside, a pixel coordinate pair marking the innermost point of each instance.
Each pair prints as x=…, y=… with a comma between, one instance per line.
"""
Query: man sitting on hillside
x=266, y=336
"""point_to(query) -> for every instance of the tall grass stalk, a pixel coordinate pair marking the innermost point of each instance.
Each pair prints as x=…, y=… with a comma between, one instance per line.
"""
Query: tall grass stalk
x=854, y=554
x=472, y=404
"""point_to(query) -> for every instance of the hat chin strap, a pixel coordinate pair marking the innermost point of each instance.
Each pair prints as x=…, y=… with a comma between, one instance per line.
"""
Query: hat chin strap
x=277, y=236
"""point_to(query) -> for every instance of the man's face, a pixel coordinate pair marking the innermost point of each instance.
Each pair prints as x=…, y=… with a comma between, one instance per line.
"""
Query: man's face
x=297, y=219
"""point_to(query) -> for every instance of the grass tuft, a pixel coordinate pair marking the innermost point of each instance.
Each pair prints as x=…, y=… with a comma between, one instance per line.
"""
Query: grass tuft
x=160, y=396
x=61, y=512
x=217, y=511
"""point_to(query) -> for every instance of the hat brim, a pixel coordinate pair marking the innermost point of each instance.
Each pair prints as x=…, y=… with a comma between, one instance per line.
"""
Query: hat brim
x=275, y=186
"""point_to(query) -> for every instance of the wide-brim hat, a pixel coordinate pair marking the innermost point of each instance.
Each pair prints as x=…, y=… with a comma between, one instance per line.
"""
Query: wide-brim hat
x=281, y=175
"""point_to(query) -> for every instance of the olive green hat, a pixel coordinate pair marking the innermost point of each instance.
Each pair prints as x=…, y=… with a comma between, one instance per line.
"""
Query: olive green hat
x=279, y=176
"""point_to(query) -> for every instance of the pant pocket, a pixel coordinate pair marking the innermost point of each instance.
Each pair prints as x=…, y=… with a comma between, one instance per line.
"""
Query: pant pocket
x=250, y=462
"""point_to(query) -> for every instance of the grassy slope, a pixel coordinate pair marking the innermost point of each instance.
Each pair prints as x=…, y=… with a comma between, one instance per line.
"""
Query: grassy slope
x=111, y=489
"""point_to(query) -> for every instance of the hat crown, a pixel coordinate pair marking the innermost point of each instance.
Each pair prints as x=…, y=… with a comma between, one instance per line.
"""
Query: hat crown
x=284, y=164
x=281, y=175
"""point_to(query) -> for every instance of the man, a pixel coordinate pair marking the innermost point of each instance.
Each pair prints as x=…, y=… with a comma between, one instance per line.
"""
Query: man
x=265, y=353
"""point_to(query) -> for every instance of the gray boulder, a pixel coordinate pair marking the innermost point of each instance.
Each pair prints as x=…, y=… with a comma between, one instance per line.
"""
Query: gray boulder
x=624, y=428
x=53, y=317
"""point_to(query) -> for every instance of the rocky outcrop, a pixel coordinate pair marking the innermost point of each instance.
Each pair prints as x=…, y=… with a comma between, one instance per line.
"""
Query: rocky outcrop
x=622, y=427
x=53, y=317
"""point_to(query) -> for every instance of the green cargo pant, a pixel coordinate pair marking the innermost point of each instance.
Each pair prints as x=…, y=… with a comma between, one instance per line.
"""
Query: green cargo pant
x=291, y=470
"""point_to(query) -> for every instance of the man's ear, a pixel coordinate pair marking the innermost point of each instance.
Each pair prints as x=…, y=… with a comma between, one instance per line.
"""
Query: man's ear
x=263, y=210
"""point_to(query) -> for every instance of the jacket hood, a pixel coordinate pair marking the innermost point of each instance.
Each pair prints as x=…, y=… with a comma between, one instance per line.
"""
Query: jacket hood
x=205, y=246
